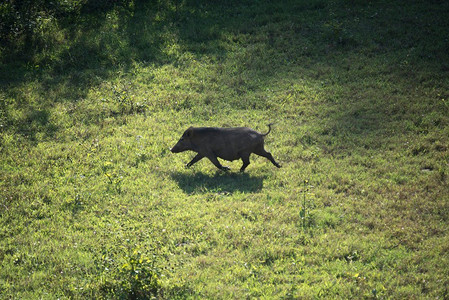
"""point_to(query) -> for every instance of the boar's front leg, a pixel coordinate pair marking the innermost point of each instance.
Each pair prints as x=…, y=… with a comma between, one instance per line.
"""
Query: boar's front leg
x=194, y=160
x=213, y=158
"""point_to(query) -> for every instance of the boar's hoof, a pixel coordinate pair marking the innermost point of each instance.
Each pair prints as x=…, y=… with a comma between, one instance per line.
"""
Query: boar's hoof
x=225, y=169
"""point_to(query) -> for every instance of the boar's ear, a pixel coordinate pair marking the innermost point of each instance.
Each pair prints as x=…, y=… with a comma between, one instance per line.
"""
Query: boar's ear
x=189, y=132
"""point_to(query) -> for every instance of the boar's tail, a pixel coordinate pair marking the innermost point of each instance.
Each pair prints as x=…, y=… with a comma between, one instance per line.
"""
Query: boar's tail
x=269, y=129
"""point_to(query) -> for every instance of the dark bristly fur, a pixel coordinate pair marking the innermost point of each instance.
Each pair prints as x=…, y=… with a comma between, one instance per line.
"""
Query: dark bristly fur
x=226, y=143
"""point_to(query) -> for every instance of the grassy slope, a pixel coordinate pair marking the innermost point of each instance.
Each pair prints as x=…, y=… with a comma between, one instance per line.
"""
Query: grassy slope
x=359, y=94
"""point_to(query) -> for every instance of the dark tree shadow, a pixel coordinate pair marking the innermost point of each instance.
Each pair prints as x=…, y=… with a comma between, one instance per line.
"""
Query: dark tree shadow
x=219, y=182
x=285, y=38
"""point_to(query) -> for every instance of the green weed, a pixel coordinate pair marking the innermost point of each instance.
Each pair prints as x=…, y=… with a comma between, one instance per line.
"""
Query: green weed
x=304, y=212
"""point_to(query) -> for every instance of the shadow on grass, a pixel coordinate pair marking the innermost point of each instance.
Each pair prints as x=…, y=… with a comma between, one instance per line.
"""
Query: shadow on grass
x=220, y=182
x=251, y=41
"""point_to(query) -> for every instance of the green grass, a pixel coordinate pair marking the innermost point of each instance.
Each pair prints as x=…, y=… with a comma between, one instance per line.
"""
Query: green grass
x=94, y=205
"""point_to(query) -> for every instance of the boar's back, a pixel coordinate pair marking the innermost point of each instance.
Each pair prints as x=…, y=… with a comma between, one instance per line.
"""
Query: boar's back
x=226, y=143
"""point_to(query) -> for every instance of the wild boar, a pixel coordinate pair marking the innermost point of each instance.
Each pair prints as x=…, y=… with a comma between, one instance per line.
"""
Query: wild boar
x=226, y=143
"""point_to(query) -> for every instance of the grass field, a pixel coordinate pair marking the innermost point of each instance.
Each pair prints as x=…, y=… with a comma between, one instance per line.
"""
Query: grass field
x=94, y=205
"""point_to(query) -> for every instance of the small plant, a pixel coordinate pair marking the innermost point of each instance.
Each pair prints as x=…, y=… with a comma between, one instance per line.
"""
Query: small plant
x=115, y=178
x=138, y=276
x=133, y=276
x=123, y=94
x=123, y=97
x=304, y=214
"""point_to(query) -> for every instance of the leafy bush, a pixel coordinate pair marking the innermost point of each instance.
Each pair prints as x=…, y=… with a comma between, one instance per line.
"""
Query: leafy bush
x=24, y=24
x=138, y=277
x=133, y=276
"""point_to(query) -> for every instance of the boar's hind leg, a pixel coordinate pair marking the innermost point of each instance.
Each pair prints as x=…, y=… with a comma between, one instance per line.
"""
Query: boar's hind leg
x=215, y=161
x=194, y=160
x=245, y=159
x=262, y=152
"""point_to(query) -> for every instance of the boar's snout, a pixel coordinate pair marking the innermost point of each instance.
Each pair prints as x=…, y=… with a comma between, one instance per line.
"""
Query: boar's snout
x=181, y=145
x=174, y=149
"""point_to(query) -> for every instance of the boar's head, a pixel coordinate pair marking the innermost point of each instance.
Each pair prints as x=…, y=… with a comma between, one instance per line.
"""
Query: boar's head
x=184, y=142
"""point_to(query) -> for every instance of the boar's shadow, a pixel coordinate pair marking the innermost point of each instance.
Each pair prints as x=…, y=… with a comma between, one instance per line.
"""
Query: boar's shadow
x=218, y=183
